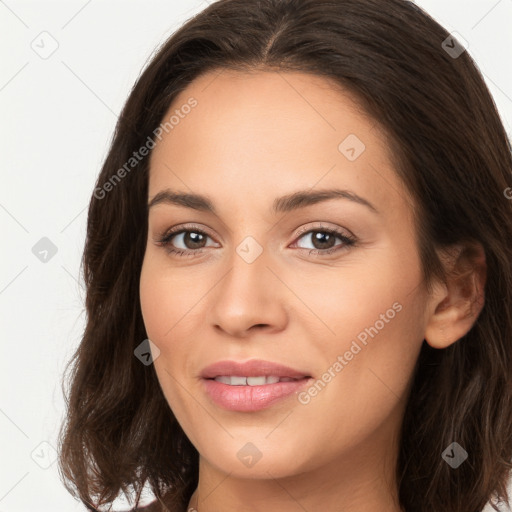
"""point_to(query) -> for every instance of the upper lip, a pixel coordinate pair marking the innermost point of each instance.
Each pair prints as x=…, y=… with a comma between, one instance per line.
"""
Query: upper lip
x=252, y=368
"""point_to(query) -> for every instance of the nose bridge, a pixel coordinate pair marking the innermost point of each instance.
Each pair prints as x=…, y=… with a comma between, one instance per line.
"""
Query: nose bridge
x=246, y=295
x=249, y=271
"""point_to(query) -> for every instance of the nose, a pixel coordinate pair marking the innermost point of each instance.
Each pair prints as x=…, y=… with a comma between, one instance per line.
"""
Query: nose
x=249, y=298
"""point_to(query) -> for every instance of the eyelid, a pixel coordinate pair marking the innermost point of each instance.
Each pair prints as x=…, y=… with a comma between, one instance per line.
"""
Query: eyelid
x=301, y=231
x=323, y=226
x=175, y=230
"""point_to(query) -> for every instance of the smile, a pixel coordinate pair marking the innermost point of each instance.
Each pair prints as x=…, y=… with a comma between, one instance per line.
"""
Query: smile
x=251, y=381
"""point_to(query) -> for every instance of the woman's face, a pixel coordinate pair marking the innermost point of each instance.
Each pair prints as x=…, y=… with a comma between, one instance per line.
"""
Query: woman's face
x=272, y=265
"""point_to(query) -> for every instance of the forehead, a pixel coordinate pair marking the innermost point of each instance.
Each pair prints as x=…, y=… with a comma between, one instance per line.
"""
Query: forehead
x=270, y=132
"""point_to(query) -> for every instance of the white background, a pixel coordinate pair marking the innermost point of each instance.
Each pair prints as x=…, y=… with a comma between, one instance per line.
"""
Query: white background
x=57, y=119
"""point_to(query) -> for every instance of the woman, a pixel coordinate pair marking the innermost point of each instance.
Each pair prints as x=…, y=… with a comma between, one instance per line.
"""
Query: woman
x=299, y=272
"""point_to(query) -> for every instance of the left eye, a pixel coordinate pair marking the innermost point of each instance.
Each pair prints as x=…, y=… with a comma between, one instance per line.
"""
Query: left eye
x=323, y=240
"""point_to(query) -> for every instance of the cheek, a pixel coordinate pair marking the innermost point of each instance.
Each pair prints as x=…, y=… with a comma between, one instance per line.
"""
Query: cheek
x=163, y=304
x=171, y=310
x=362, y=384
x=155, y=299
x=360, y=296
x=164, y=298
x=373, y=319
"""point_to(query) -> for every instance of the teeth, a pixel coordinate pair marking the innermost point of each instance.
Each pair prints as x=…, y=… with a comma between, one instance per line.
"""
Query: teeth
x=256, y=381
x=251, y=381
x=238, y=381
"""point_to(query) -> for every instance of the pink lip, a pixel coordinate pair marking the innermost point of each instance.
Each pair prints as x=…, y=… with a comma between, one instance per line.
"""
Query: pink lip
x=252, y=368
x=251, y=398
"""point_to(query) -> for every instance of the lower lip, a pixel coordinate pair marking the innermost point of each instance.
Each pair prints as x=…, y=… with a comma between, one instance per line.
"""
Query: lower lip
x=251, y=398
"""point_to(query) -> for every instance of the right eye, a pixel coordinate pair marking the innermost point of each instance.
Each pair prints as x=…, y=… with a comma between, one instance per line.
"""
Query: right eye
x=191, y=241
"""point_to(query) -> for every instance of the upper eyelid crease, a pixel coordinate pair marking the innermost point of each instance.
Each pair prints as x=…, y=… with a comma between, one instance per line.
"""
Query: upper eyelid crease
x=177, y=230
x=284, y=204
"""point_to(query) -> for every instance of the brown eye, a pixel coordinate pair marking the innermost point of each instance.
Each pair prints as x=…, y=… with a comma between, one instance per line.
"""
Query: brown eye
x=325, y=240
x=185, y=242
x=191, y=239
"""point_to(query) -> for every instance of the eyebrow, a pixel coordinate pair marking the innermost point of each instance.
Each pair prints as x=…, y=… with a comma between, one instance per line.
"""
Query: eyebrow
x=284, y=204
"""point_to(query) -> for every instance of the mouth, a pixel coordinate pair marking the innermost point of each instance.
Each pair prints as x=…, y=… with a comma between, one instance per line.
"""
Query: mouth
x=234, y=380
x=252, y=369
x=252, y=385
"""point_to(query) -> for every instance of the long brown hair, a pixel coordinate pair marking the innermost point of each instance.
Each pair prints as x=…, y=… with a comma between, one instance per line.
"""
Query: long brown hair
x=452, y=153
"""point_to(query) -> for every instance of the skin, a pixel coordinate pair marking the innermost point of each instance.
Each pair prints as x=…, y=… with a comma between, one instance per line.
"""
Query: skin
x=251, y=138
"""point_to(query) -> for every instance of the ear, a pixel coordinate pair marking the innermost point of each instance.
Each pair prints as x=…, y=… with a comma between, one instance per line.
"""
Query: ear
x=455, y=304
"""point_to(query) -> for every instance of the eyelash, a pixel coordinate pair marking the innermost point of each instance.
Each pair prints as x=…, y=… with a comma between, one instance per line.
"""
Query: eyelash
x=166, y=238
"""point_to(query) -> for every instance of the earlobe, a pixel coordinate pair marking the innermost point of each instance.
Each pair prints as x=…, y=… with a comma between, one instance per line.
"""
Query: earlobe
x=456, y=304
